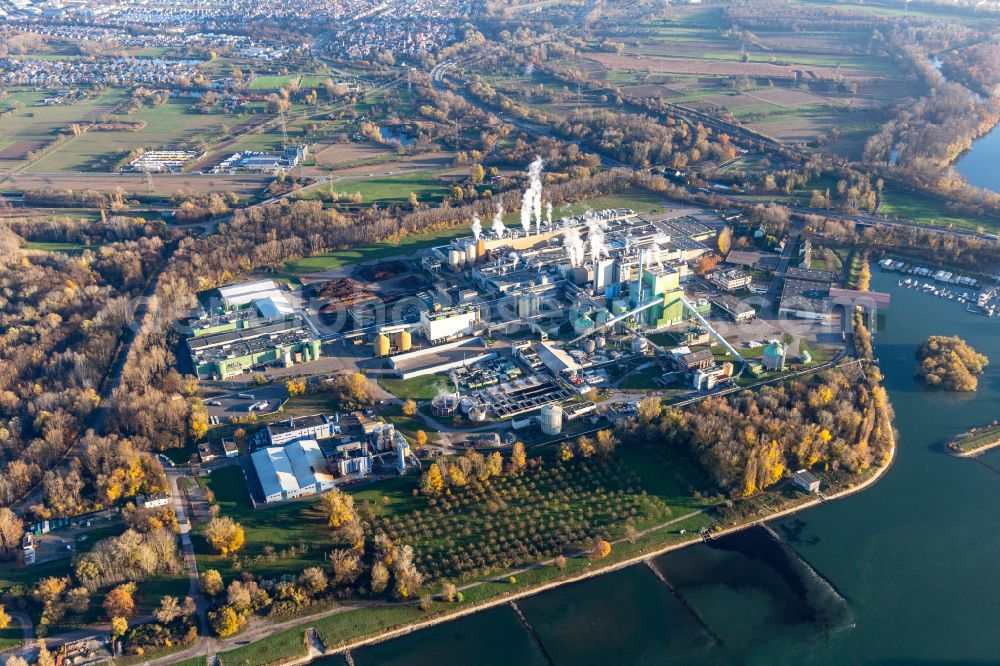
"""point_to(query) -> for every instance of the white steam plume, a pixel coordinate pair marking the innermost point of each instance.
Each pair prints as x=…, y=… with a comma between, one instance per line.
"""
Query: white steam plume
x=548, y=214
x=574, y=245
x=498, y=228
x=595, y=234
x=531, y=202
x=477, y=226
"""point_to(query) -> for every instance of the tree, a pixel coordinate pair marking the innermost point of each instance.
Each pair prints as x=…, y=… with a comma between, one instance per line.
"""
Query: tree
x=119, y=626
x=478, y=174
x=565, y=452
x=168, y=611
x=14, y=660
x=606, y=442
x=421, y=439
x=338, y=508
x=224, y=535
x=559, y=562
x=119, y=601
x=518, y=459
x=864, y=276
x=649, y=409
x=494, y=464
x=380, y=578
x=600, y=550
x=313, y=580
x=225, y=621
x=11, y=531
x=725, y=241
x=414, y=201
x=585, y=446
x=409, y=408
x=432, y=481
x=449, y=592
x=211, y=582
x=4, y=618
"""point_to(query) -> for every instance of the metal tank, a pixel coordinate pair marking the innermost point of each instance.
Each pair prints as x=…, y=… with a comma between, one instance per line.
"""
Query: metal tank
x=551, y=419
x=382, y=345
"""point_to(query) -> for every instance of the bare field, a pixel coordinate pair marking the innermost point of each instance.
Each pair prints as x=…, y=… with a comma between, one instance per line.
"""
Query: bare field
x=341, y=153
x=718, y=67
x=243, y=184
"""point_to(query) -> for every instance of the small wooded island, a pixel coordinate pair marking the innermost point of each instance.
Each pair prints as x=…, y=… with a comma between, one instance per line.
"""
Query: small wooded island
x=950, y=363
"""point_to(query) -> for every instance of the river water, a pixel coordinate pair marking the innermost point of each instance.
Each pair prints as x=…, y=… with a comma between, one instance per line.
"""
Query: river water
x=904, y=572
x=980, y=164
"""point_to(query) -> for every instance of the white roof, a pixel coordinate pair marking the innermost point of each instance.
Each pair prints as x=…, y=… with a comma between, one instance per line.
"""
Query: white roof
x=298, y=465
x=307, y=462
x=555, y=359
x=274, y=306
x=238, y=295
x=274, y=471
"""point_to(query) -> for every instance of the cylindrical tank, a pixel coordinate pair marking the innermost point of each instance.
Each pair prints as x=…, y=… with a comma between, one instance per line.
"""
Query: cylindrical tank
x=382, y=345
x=600, y=342
x=466, y=405
x=583, y=324
x=477, y=413
x=470, y=254
x=589, y=346
x=536, y=303
x=551, y=419
x=524, y=306
x=286, y=358
x=480, y=249
x=444, y=405
x=638, y=345
x=455, y=259
x=404, y=341
x=316, y=347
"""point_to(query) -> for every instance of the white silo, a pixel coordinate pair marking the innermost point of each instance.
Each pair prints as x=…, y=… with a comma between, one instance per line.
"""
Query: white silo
x=470, y=254
x=552, y=419
x=455, y=259
x=524, y=305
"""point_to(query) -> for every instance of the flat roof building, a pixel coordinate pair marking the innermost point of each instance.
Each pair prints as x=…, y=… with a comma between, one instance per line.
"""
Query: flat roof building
x=291, y=471
x=314, y=426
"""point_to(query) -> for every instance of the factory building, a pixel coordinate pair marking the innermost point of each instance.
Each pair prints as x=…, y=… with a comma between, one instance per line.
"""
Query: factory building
x=316, y=426
x=449, y=323
x=291, y=471
x=258, y=327
x=732, y=279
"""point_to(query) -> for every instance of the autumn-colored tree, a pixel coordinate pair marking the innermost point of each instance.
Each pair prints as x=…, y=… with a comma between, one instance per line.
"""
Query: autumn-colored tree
x=198, y=421
x=421, y=438
x=313, y=580
x=224, y=535
x=119, y=626
x=494, y=464
x=338, y=508
x=432, y=481
x=296, y=387
x=379, y=578
x=606, y=442
x=600, y=550
x=211, y=582
x=119, y=601
x=559, y=562
x=864, y=276
x=518, y=459
x=725, y=241
x=565, y=452
x=478, y=174
x=649, y=409
x=11, y=531
x=585, y=446
x=226, y=621
x=4, y=618
x=168, y=611
x=409, y=407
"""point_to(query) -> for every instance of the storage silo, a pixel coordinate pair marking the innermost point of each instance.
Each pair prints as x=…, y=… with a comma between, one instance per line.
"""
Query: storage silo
x=456, y=258
x=404, y=341
x=551, y=419
x=600, y=342
x=589, y=346
x=536, y=303
x=524, y=305
x=477, y=413
x=470, y=254
x=638, y=345
x=583, y=324
x=381, y=345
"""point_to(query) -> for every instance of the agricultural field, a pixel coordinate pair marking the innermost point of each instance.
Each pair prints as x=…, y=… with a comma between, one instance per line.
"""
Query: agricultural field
x=925, y=210
x=245, y=185
x=806, y=87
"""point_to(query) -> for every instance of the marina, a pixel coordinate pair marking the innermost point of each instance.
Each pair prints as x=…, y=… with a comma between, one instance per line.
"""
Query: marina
x=978, y=297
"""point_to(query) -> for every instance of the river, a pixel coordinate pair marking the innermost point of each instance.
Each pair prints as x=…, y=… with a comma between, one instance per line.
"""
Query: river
x=900, y=573
x=979, y=164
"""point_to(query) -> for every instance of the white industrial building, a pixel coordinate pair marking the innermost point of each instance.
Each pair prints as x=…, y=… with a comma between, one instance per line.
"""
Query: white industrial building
x=448, y=324
x=291, y=471
x=315, y=426
x=265, y=294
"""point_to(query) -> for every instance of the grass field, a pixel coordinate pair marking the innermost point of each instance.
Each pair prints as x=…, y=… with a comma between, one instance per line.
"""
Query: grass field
x=396, y=189
x=272, y=650
x=293, y=270
x=924, y=210
x=10, y=637
x=68, y=248
x=418, y=388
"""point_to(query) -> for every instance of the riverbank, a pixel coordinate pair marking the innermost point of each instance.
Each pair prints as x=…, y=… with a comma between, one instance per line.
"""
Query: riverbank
x=975, y=441
x=647, y=545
